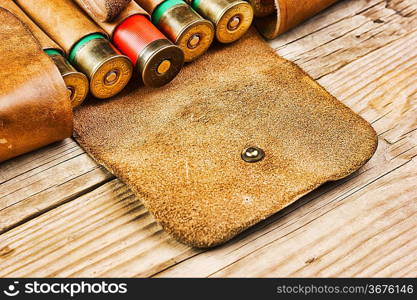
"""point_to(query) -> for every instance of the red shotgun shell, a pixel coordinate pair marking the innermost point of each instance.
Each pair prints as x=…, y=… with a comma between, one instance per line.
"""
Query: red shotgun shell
x=156, y=58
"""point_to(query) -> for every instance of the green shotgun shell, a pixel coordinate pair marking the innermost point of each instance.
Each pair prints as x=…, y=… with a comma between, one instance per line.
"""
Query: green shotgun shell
x=185, y=27
x=76, y=82
x=232, y=18
x=108, y=70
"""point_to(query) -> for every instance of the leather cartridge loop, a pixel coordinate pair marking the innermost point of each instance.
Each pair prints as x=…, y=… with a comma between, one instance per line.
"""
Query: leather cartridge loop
x=262, y=8
x=45, y=41
x=104, y=10
x=149, y=5
x=76, y=82
x=109, y=27
x=35, y=108
x=62, y=20
x=289, y=14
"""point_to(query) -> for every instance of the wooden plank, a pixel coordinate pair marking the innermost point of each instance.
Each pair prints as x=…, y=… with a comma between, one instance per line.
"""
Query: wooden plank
x=106, y=232
x=372, y=233
x=349, y=31
x=39, y=159
x=41, y=180
x=382, y=87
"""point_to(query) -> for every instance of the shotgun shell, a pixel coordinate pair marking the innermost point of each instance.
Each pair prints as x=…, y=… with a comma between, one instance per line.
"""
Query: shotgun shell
x=155, y=57
x=107, y=69
x=232, y=18
x=76, y=82
x=186, y=28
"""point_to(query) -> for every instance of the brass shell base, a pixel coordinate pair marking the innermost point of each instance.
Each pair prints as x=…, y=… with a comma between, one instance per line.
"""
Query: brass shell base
x=119, y=65
x=108, y=71
x=237, y=9
x=182, y=25
x=76, y=82
x=159, y=63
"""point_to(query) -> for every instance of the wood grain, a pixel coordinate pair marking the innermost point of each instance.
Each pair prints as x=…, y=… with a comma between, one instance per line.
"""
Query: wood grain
x=350, y=30
x=62, y=215
x=104, y=230
x=41, y=180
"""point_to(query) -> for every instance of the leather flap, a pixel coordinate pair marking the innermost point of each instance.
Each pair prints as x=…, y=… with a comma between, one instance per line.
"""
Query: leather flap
x=35, y=108
x=179, y=148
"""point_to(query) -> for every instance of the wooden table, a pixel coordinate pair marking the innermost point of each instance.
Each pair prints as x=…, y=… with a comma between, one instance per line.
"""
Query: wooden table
x=63, y=215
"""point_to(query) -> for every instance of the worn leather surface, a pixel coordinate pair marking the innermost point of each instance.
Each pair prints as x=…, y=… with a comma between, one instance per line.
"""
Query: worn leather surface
x=179, y=147
x=62, y=20
x=289, y=14
x=45, y=41
x=104, y=10
x=149, y=5
x=109, y=27
x=35, y=108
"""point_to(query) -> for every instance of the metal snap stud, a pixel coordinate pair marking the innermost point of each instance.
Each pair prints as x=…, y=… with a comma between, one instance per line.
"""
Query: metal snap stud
x=252, y=154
